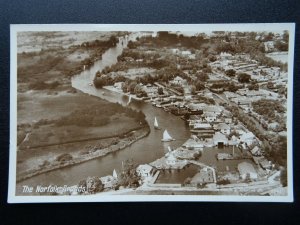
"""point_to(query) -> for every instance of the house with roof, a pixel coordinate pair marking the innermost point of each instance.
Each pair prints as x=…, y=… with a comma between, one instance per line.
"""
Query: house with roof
x=233, y=141
x=203, y=130
x=209, y=116
x=248, y=138
x=225, y=55
x=241, y=100
x=213, y=109
x=265, y=164
x=220, y=140
x=178, y=81
x=223, y=128
x=144, y=171
x=254, y=93
x=118, y=85
x=193, y=143
x=269, y=46
x=256, y=151
x=171, y=159
x=109, y=181
x=227, y=117
x=202, y=126
x=246, y=169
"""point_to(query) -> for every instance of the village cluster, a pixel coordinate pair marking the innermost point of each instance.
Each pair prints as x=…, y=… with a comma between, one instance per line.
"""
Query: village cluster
x=217, y=117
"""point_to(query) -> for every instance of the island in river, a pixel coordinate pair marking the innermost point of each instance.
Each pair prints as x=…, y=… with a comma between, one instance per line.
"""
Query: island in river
x=59, y=126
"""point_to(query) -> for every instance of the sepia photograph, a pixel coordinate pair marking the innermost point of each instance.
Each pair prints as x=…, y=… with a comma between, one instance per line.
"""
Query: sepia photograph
x=164, y=112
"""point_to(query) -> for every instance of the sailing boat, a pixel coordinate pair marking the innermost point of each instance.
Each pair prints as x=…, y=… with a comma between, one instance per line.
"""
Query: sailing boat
x=167, y=136
x=115, y=175
x=156, y=124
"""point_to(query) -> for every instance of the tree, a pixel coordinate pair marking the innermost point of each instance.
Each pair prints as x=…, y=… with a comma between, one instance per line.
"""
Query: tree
x=270, y=85
x=248, y=178
x=230, y=72
x=199, y=86
x=113, y=40
x=269, y=36
x=281, y=46
x=285, y=36
x=94, y=185
x=254, y=86
x=160, y=91
x=131, y=45
x=129, y=176
x=131, y=87
x=244, y=78
x=193, y=89
x=202, y=76
x=283, y=177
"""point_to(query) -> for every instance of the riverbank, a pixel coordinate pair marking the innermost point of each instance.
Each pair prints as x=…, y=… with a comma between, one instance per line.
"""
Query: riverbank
x=56, y=119
x=128, y=140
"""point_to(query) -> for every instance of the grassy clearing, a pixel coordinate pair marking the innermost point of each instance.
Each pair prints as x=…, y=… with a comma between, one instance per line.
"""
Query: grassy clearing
x=53, y=118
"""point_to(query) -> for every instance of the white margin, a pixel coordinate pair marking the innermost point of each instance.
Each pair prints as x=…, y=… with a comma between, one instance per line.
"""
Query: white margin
x=12, y=198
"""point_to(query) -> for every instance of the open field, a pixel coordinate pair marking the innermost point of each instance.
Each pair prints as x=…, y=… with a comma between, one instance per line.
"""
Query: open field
x=55, y=119
x=35, y=41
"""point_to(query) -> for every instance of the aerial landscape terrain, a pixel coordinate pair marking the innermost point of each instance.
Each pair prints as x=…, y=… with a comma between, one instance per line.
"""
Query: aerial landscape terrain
x=152, y=113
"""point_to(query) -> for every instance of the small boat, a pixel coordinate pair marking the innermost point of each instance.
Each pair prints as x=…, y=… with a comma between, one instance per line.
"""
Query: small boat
x=167, y=136
x=156, y=124
x=115, y=175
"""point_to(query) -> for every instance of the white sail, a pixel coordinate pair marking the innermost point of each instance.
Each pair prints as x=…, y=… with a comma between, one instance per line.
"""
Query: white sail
x=169, y=148
x=155, y=123
x=115, y=175
x=167, y=136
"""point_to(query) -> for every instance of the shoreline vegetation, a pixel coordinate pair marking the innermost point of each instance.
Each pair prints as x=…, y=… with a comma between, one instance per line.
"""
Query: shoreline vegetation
x=66, y=160
x=65, y=121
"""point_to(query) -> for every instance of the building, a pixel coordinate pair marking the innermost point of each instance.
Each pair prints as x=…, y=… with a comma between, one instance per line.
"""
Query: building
x=256, y=151
x=192, y=144
x=248, y=138
x=265, y=164
x=246, y=169
x=209, y=116
x=170, y=159
x=269, y=46
x=109, y=181
x=144, y=171
x=223, y=128
x=220, y=140
x=203, y=130
x=213, y=109
x=178, y=81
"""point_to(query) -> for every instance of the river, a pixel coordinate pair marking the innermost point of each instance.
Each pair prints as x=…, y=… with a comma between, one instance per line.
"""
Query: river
x=145, y=150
